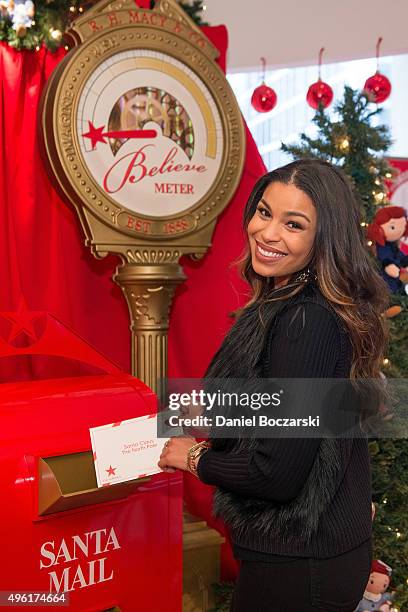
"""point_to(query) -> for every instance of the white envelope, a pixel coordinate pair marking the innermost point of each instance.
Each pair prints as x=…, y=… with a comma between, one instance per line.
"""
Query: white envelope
x=126, y=450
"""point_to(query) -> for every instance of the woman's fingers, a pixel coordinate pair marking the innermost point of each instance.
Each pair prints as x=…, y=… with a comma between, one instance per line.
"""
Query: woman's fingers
x=191, y=411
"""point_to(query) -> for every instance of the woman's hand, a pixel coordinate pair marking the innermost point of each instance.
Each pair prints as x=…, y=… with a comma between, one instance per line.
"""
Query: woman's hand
x=174, y=454
x=191, y=411
x=392, y=270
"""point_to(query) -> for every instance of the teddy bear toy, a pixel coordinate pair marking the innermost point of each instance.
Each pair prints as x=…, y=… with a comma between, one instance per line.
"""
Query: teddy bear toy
x=375, y=598
x=389, y=226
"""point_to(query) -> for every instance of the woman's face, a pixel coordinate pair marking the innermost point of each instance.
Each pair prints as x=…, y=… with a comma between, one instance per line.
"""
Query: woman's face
x=394, y=229
x=282, y=232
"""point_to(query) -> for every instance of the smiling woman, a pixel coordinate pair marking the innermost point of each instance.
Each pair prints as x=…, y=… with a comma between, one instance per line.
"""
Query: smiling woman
x=298, y=509
x=281, y=240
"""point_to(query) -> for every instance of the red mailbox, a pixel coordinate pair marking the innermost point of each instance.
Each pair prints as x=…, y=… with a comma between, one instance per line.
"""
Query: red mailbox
x=116, y=547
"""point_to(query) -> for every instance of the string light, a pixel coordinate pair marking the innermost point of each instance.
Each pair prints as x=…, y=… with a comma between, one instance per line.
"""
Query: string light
x=363, y=224
x=37, y=48
x=66, y=47
x=81, y=10
x=398, y=534
x=370, y=243
x=388, y=175
x=384, y=501
x=377, y=181
x=72, y=9
x=378, y=196
x=55, y=34
x=386, y=362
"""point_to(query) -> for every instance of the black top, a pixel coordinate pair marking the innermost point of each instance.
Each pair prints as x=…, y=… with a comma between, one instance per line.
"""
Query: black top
x=278, y=468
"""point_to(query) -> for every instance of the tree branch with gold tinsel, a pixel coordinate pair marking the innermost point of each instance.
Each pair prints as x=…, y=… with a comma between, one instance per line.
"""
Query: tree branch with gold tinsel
x=25, y=24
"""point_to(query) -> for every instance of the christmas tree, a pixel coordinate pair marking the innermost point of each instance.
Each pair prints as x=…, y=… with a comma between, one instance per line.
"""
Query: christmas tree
x=350, y=140
x=354, y=144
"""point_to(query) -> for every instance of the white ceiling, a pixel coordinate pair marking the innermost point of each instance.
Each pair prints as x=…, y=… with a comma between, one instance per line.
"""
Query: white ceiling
x=291, y=32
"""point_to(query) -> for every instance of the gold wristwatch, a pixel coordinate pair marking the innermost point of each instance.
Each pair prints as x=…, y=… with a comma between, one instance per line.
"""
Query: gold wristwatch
x=193, y=455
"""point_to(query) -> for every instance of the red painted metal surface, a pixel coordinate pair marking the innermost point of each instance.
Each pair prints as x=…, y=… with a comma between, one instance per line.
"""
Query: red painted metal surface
x=124, y=553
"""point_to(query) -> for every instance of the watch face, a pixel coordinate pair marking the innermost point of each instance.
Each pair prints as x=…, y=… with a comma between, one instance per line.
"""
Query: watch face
x=149, y=133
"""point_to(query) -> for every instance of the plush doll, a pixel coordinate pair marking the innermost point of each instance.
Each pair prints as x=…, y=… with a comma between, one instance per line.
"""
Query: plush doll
x=389, y=226
x=375, y=598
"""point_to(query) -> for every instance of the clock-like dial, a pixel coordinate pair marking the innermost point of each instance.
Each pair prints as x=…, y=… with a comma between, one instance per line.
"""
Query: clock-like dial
x=149, y=133
x=141, y=129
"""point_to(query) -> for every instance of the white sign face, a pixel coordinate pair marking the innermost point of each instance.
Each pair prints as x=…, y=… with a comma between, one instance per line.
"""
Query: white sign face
x=149, y=133
x=399, y=196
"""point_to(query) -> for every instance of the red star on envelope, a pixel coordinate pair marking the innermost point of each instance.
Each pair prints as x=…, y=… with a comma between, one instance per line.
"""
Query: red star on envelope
x=111, y=471
x=22, y=321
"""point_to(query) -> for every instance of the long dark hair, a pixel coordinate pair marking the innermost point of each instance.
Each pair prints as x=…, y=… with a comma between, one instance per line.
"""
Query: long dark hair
x=346, y=275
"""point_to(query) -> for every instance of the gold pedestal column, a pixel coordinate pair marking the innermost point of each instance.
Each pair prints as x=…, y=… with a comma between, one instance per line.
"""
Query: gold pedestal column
x=149, y=291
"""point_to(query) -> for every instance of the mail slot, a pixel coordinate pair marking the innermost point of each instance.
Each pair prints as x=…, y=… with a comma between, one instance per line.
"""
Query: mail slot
x=110, y=548
x=69, y=481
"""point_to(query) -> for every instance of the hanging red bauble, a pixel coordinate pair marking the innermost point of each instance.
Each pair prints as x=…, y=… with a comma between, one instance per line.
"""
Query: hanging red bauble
x=319, y=93
x=264, y=99
x=378, y=86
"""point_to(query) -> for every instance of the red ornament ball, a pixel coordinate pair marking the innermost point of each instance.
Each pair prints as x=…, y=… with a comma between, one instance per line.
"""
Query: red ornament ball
x=319, y=92
x=378, y=87
x=264, y=99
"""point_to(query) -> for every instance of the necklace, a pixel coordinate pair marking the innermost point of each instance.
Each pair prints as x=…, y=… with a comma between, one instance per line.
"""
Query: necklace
x=303, y=277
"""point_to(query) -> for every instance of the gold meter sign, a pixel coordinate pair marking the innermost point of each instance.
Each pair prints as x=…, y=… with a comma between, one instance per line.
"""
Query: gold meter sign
x=144, y=136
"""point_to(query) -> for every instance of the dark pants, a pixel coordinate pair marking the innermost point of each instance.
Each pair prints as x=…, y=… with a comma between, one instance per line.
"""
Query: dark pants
x=336, y=584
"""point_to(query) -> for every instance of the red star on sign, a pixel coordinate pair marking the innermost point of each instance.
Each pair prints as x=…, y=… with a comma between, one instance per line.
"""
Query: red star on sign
x=22, y=321
x=95, y=134
x=111, y=471
x=98, y=135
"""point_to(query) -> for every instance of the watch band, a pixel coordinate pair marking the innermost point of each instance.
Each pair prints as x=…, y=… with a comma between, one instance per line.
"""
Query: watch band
x=193, y=454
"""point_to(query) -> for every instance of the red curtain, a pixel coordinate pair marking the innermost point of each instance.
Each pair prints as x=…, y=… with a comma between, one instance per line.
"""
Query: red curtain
x=43, y=257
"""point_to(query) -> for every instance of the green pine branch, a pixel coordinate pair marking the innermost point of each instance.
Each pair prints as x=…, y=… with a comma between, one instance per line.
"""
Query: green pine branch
x=194, y=10
x=352, y=143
